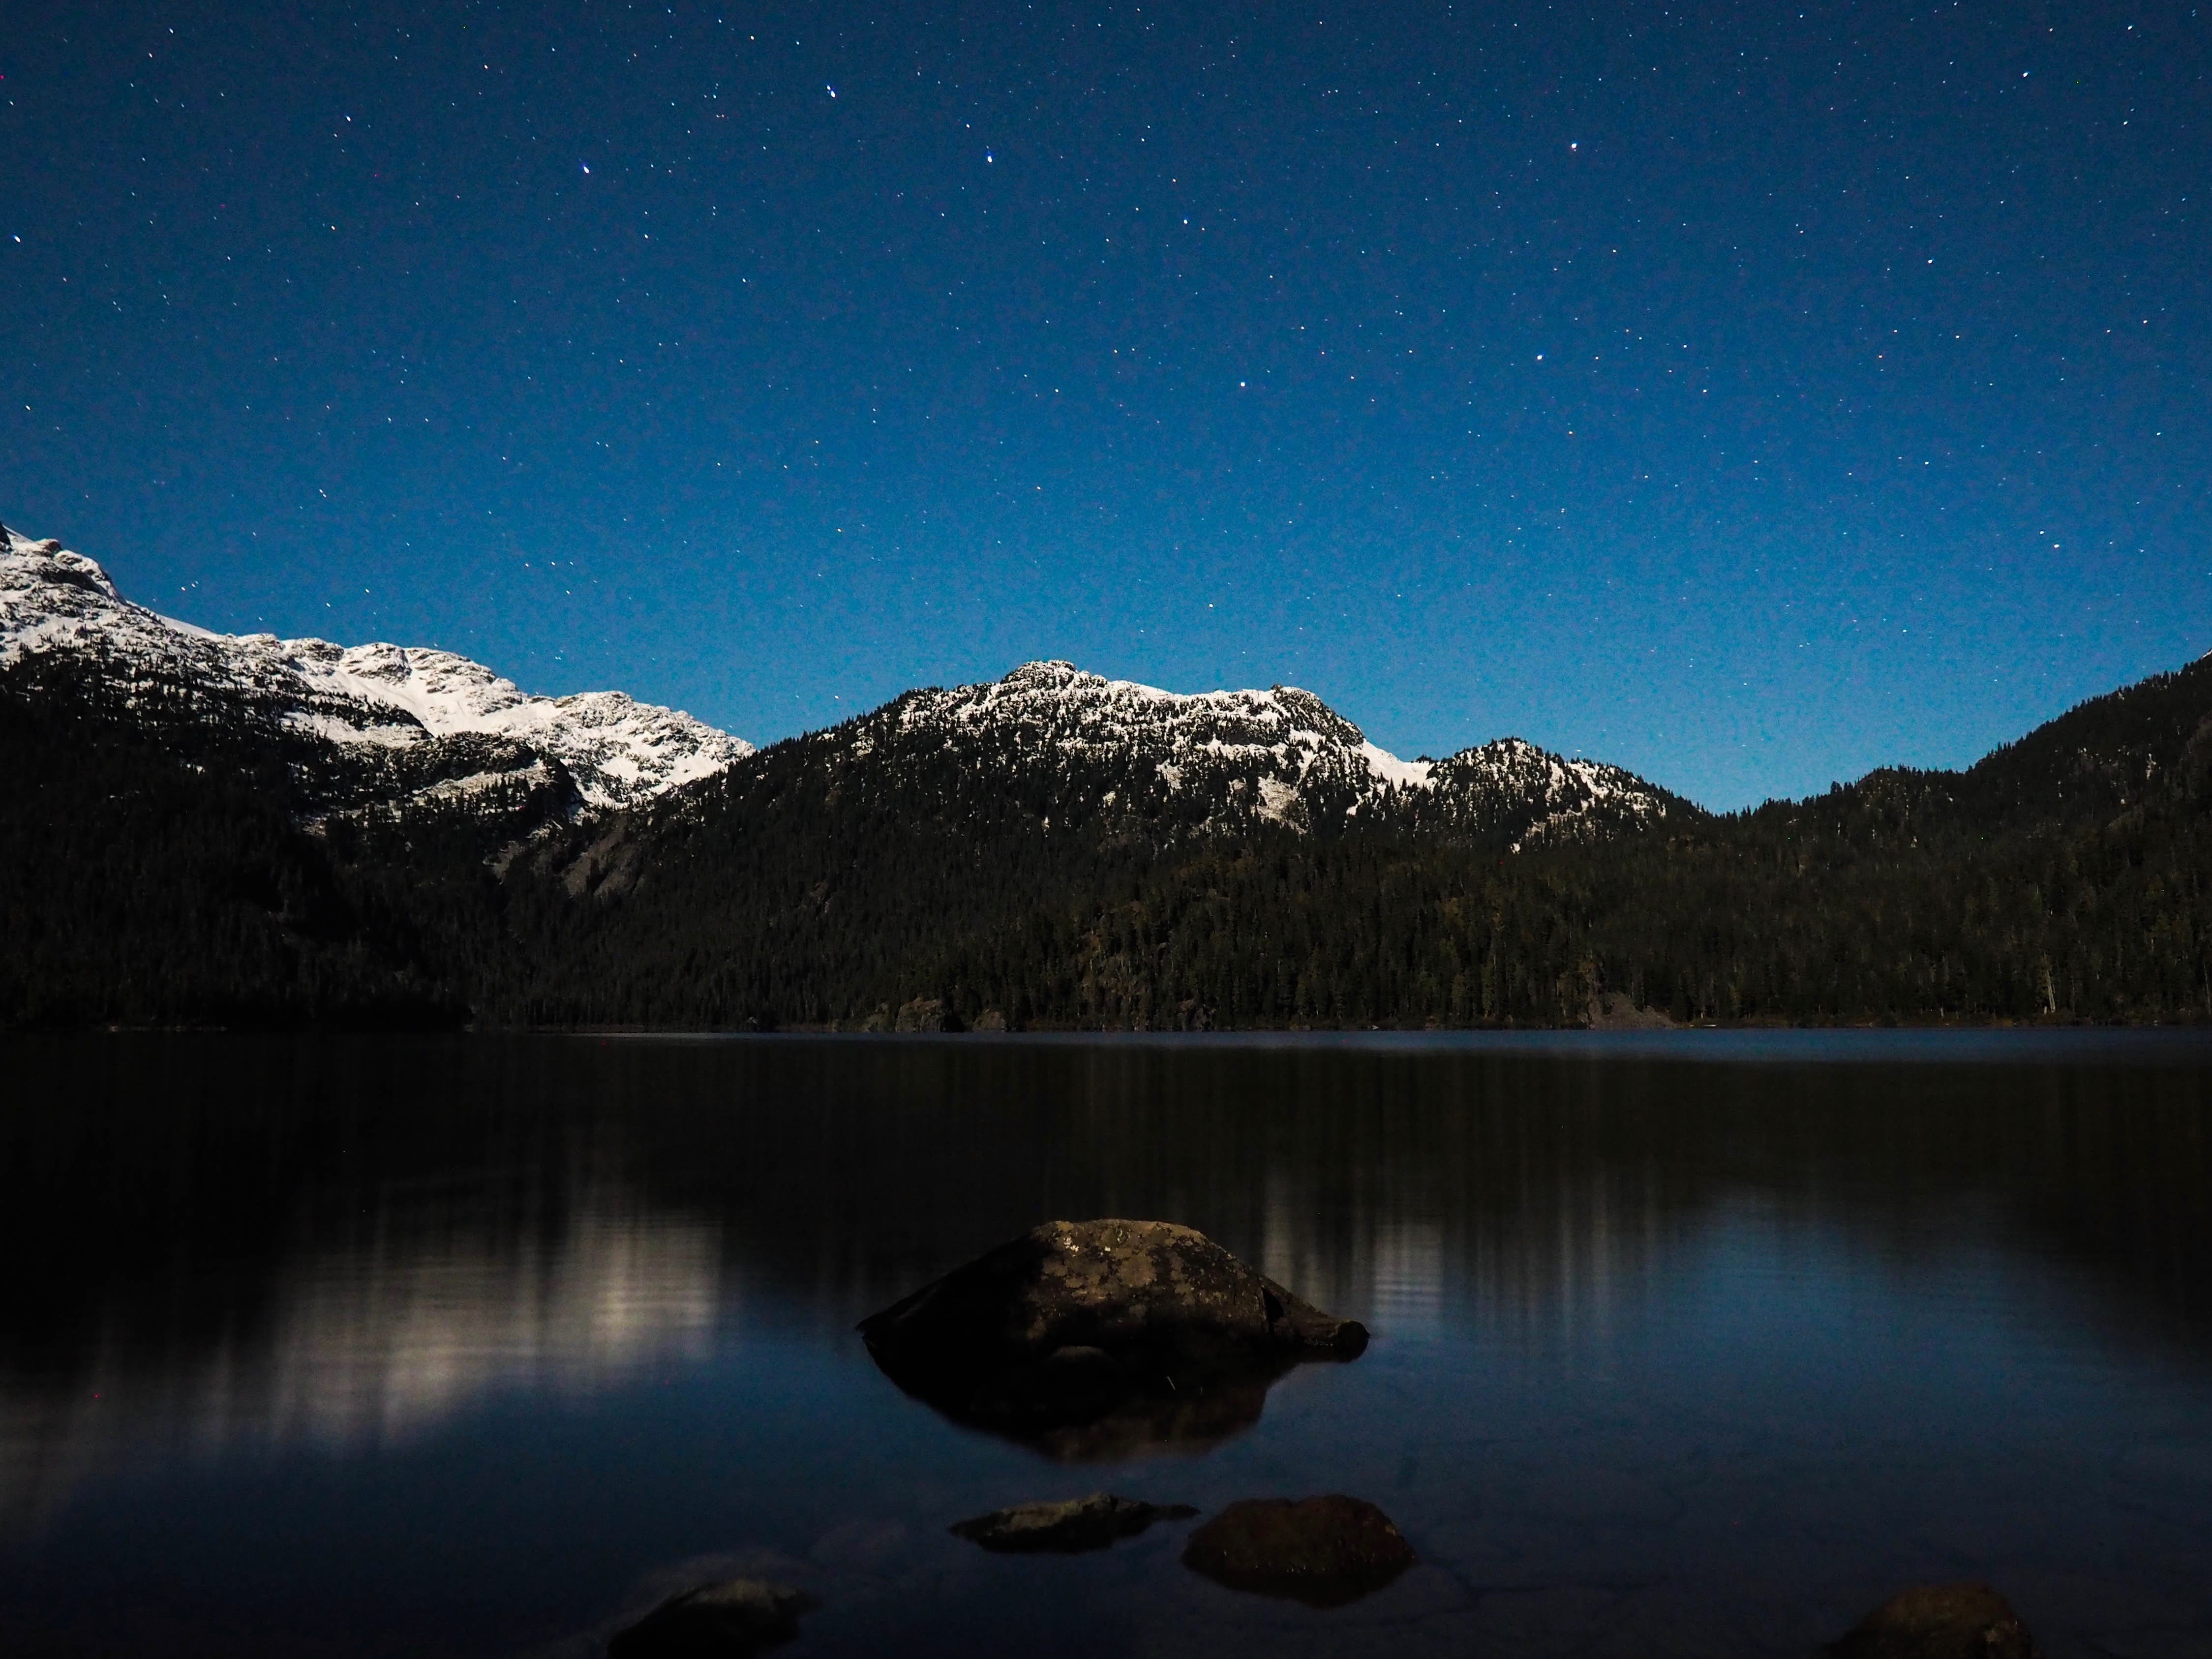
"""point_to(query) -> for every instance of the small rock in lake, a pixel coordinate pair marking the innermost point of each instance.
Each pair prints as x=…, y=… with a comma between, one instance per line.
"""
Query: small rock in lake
x=1096, y=1338
x=1080, y=1523
x=1324, y=1551
x=715, y=1622
x=1938, y=1621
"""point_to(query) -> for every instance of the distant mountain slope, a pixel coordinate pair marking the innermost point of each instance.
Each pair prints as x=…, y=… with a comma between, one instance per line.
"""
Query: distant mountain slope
x=153, y=877
x=363, y=725
x=255, y=831
x=2109, y=754
x=1291, y=877
x=2066, y=874
x=1081, y=751
x=819, y=876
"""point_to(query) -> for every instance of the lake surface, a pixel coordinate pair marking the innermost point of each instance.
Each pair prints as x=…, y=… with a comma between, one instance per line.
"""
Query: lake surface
x=1699, y=1343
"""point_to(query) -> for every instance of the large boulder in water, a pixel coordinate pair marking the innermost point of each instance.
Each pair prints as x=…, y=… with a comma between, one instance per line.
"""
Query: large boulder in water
x=1097, y=1339
x=725, y=1621
x=1938, y=1621
x=1324, y=1551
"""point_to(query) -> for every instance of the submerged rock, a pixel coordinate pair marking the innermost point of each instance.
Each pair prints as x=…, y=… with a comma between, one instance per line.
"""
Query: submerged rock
x=1965, y=1620
x=1324, y=1551
x=1091, y=1339
x=1080, y=1523
x=715, y=1622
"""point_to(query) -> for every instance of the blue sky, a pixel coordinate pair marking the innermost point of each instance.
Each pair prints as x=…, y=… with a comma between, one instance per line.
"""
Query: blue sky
x=1748, y=396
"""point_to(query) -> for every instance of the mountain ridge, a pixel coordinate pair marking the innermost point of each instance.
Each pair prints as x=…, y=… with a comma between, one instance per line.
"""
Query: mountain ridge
x=1234, y=757
x=1221, y=761
x=1051, y=850
x=57, y=603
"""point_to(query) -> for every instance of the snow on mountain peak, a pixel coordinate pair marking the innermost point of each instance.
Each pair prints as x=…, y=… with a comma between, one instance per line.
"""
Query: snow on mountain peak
x=29, y=564
x=1183, y=761
x=1280, y=755
x=1086, y=710
x=619, y=751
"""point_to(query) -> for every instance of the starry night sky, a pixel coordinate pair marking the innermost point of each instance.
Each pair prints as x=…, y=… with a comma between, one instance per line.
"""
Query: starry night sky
x=1748, y=395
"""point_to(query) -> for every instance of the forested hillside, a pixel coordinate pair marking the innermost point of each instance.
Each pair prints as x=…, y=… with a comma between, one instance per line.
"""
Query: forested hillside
x=2065, y=877
x=155, y=872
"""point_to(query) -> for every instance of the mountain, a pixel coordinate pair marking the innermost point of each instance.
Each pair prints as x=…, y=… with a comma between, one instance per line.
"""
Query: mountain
x=954, y=846
x=365, y=726
x=393, y=728
x=203, y=830
x=1056, y=850
x=1078, y=749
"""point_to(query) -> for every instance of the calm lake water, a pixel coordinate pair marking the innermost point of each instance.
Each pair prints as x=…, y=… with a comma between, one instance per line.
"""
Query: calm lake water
x=1696, y=1344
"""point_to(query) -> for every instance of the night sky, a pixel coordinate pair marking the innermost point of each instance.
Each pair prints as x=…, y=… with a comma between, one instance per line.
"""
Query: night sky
x=1748, y=395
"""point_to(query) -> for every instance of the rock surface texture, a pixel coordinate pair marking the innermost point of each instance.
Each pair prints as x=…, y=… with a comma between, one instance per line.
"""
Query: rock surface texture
x=715, y=1622
x=1939, y=1621
x=1096, y=1338
x=1324, y=1551
x=1066, y=1529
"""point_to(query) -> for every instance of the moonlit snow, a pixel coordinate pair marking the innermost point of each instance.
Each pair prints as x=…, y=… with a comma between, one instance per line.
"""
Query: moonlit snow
x=619, y=751
x=1209, y=762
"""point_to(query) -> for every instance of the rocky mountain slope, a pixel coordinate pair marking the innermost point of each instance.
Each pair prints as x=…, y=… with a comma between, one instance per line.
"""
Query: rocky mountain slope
x=359, y=725
x=203, y=830
x=1083, y=750
x=404, y=729
x=958, y=844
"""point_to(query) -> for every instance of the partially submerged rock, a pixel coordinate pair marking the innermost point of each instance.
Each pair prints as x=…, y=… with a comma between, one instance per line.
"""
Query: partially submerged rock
x=1324, y=1551
x=1097, y=1338
x=1080, y=1523
x=1965, y=1620
x=724, y=1620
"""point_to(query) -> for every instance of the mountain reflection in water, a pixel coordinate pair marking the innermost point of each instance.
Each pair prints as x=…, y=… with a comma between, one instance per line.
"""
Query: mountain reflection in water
x=361, y=1347
x=314, y=1293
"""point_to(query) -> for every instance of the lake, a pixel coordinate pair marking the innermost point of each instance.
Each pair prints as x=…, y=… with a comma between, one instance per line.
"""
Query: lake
x=1693, y=1343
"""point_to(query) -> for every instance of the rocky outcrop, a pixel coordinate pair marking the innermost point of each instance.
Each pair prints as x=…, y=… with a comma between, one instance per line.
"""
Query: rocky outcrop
x=1066, y=1529
x=724, y=1620
x=1965, y=1620
x=608, y=866
x=1616, y=1011
x=1096, y=1338
x=1324, y=1551
x=925, y=1014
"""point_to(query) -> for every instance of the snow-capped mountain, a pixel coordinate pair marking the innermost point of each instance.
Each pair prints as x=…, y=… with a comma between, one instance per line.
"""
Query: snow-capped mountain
x=1084, y=748
x=407, y=723
x=376, y=726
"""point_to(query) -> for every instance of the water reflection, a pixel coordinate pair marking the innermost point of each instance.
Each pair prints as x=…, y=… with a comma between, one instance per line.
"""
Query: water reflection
x=372, y=1348
x=446, y=1297
x=437, y=1220
x=1189, y=1421
x=341, y=1250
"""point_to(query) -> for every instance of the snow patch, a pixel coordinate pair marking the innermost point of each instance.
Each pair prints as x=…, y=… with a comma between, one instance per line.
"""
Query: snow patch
x=621, y=752
x=1263, y=752
x=1386, y=768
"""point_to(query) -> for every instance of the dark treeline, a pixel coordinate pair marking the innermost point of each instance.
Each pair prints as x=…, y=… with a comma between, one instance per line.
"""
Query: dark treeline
x=2064, y=876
